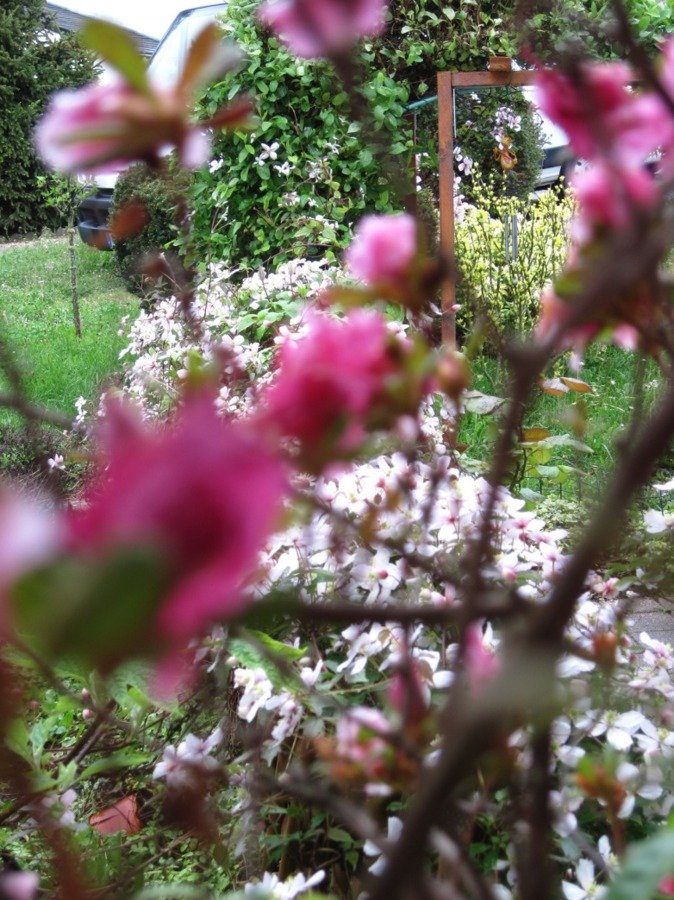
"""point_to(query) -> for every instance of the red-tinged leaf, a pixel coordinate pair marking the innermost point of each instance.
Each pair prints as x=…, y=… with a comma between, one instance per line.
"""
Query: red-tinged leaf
x=122, y=816
x=575, y=384
x=128, y=221
x=208, y=58
x=554, y=386
x=198, y=57
x=116, y=47
x=533, y=435
x=236, y=115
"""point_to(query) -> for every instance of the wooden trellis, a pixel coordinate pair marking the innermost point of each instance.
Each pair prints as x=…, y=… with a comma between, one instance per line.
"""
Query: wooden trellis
x=447, y=81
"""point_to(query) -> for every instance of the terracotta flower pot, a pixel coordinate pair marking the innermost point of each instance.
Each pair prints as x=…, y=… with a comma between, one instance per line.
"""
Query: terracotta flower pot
x=500, y=64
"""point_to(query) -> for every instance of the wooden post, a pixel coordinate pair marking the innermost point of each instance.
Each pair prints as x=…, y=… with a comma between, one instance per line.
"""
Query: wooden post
x=446, y=155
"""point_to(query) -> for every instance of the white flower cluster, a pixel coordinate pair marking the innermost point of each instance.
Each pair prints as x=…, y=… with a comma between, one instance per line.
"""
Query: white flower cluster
x=463, y=162
x=506, y=121
x=505, y=117
x=161, y=345
x=188, y=763
x=419, y=518
x=635, y=727
x=270, y=887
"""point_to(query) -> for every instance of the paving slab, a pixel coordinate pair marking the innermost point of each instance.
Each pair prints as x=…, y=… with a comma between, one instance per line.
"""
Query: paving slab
x=655, y=617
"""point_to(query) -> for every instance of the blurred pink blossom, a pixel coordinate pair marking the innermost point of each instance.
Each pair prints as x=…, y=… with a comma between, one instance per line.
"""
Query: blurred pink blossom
x=481, y=662
x=609, y=196
x=555, y=314
x=600, y=115
x=206, y=493
x=408, y=695
x=19, y=885
x=383, y=249
x=317, y=28
x=101, y=128
x=328, y=382
x=666, y=886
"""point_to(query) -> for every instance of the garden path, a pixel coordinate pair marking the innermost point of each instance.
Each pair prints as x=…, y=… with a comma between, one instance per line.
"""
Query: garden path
x=656, y=617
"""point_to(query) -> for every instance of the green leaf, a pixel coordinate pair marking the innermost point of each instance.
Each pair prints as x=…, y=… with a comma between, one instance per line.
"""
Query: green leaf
x=253, y=657
x=647, y=863
x=97, y=611
x=340, y=835
x=40, y=733
x=126, y=760
x=18, y=740
x=547, y=471
x=286, y=651
x=565, y=440
x=531, y=496
x=116, y=47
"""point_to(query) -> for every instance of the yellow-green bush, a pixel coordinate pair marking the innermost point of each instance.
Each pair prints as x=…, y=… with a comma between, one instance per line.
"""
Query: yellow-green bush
x=495, y=284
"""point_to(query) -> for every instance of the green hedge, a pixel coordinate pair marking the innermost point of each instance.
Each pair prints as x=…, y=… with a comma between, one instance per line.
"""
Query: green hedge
x=32, y=65
x=252, y=211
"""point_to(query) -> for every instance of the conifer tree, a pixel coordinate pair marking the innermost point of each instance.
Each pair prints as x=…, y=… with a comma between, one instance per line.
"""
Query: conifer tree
x=35, y=59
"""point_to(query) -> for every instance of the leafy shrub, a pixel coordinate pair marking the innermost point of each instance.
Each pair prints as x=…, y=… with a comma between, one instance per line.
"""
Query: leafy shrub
x=588, y=26
x=427, y=36
x=158, y=193
x=507, y=250
x=297, y=183
x=486, y=121
x=31, y=67
x=244, y=318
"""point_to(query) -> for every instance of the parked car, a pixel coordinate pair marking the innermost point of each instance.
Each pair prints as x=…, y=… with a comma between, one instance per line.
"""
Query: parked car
x=163, y=68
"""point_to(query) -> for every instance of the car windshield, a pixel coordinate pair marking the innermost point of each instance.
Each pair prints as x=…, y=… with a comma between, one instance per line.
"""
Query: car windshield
x=169, y=56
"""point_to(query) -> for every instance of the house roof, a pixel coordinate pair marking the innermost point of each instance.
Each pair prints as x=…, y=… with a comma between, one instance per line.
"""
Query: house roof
x=72, y=21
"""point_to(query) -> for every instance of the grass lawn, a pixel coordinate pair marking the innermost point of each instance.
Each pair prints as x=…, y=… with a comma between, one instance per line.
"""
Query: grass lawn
x=610, y=372
x=36, y=321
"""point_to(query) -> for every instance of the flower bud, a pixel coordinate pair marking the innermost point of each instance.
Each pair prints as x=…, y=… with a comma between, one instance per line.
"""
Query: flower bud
x=453, y=373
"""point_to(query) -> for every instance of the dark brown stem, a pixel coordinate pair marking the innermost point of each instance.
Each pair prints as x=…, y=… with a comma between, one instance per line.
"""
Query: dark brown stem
x=536, y=880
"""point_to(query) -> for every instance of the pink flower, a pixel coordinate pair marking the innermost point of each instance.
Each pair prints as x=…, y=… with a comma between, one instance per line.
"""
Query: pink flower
x=383, y=249
x=19, y=885
x=363, y=735
x=204, y=492
x=332, y=385
x=599, y=113
x=101, y=128
x=555, y=314
x=409, y=696
x=319, y=28
x=608, y=197
x=481, y=663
